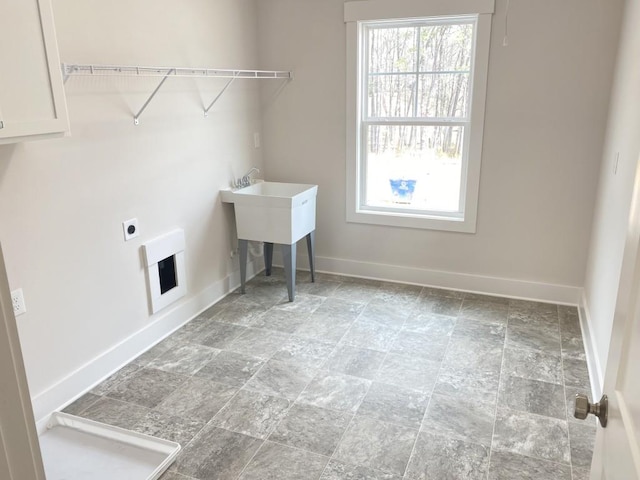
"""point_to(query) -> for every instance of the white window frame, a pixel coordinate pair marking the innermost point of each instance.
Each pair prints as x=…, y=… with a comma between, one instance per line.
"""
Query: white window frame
x=356, y=13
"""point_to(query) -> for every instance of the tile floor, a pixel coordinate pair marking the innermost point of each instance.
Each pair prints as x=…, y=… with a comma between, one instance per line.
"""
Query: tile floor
x=360, y=379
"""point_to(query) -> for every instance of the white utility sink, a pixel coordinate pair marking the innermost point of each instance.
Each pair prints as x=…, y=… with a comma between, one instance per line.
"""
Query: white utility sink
x=274, y=212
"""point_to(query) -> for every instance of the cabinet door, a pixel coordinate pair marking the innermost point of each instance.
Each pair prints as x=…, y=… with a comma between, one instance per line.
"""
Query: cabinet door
x=32, y=99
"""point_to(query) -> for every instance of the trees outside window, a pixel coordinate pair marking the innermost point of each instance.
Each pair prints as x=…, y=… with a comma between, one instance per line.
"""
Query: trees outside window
x=420, y=85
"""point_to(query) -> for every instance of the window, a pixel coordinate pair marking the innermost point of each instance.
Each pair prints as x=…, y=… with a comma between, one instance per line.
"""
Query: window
x=415, y=116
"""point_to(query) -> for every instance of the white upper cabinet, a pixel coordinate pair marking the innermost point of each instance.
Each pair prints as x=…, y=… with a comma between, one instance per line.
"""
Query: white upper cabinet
x=32, y=101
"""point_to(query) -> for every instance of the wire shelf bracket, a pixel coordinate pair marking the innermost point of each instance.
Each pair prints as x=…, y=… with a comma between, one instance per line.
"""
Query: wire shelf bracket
x=71, y=70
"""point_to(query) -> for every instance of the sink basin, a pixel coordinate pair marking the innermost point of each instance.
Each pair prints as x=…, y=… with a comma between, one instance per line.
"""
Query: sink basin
x=274, y=212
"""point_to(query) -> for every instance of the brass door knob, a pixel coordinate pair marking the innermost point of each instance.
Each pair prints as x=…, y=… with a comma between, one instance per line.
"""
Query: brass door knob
x=583, y=408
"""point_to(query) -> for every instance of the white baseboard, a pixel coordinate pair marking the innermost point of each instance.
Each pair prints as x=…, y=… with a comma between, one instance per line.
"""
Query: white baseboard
x=92, y=373
x=596, y=375
x=503, y=287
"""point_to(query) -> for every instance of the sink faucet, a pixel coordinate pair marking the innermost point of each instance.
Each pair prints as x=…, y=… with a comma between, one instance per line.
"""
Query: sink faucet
x=245, y=181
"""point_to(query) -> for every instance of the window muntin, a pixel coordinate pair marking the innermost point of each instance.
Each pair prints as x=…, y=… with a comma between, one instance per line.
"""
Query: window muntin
x=415, y=97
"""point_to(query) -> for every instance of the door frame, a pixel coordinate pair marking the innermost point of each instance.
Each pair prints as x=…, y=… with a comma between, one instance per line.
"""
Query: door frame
x=20, y=456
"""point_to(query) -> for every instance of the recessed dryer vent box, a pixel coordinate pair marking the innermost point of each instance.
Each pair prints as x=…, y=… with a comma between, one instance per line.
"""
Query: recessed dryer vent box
x=164, y=258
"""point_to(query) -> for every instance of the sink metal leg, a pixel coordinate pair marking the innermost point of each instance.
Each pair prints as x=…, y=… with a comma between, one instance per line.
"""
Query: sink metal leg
x=311, y=248
x=243, y=245
x=268, y=257
x=289, y=257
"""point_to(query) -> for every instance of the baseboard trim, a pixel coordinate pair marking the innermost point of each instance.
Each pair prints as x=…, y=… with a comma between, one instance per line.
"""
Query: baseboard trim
x=596, y=375
x=503, y=287
x=92, y=373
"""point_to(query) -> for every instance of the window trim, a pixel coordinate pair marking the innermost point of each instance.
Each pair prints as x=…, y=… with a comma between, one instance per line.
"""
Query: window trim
x=370, y=11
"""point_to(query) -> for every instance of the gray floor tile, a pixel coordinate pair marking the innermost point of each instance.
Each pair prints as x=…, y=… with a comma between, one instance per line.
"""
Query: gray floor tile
x=437, y=327
x=580, y=473
x=474, y=356
x=243, y=313
x=281, y=320
x=486, y=298
x=341, y=471
x=480, y=330
x=230, y=368
x=480, y=309
x=304, y=351
x=116, y=413
x=358, y=362
x=147, y=387
x=418, y=345
x=81, y=404
x=534, y=337
x=281, y=379
x=219, y=335
x=465, y=382
x=311, y=428
x=442, y=292
x=259, y=343
x=394, y=404
x=527, y=312
x=279, y=462
x=378, y=445
x=335, y=391
x=216, y=454
x=185, y=359
x=169, y=427
x=414, y=344
x=532, y=396
x=325, y=327
x=252, y=413
x=402, y=295
x=304, y=304
x=120, y=376
x=411, y=372
x=198, y=398
x=534, y=365
x=572, y=345
x=532, y=435
x=341, y=308
x=385, y=313
x=510, y=466
x=356, y=292
x=444, y=305
x=442, y=458
x=582, y=438
x=370, y=335
x=321, y=288
x=576, y=373
x=462, y=418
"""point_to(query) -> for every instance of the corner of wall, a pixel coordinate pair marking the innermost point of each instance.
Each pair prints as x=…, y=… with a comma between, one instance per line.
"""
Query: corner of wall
x=92, y=373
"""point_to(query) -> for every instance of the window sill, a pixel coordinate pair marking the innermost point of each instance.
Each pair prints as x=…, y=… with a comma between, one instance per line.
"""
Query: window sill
x=407, y=220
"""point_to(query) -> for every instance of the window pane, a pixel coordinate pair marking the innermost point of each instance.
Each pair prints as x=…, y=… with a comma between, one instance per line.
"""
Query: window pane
x=392, y=50
x=446, y=47
x=414, y=167
x=391, y=95
x=444, y=95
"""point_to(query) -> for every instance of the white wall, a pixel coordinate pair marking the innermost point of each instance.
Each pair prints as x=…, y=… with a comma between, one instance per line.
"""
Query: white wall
x=611, y=215
x=545, y=120
x=62, y=201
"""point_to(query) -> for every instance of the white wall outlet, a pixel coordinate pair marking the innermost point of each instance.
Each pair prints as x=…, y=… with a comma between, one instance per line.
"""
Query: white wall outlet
x=130, y=229
x=256, y=140
x=17, y=299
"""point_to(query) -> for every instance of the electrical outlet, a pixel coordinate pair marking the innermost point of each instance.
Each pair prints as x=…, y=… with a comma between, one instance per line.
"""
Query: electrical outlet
x=17, y=299
x=130, y=229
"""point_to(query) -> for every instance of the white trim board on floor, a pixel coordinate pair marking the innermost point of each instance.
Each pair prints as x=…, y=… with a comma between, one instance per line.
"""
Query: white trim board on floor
x=596, y=375
x=502, y=287
x=92, y=373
